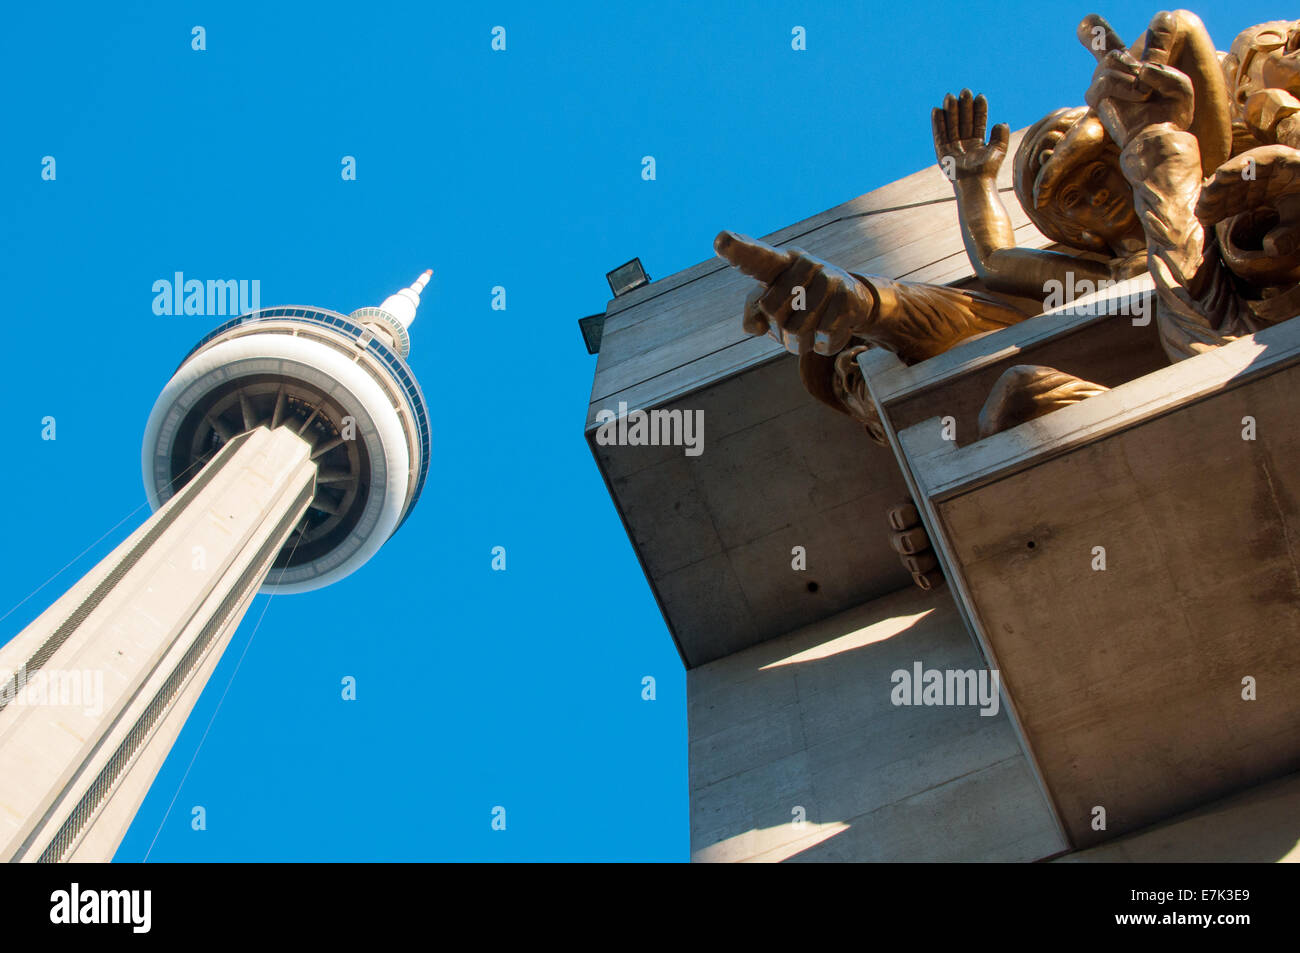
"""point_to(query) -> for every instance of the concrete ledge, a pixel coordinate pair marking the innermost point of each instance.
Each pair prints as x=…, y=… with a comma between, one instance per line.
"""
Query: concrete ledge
x=1261, y=825
x=1127, y=677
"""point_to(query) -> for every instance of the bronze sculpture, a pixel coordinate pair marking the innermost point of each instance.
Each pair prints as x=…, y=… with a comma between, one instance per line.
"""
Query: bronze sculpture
x=1223, y=240
x=808, y=304
x=1184, y=164
x=815, y=309
x=1068, y=181
x=1262, y=70
x=1146, y=105
x=1225, y=258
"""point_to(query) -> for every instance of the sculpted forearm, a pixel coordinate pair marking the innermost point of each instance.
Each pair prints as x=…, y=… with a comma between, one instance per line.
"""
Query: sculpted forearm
x=919, y=321
x=985, y=224
x=972, y=165
x=991, y=246
x=1028, y=271
x=1163, y=165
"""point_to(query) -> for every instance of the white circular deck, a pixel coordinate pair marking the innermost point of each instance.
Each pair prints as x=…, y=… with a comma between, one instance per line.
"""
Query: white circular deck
x=352, y=386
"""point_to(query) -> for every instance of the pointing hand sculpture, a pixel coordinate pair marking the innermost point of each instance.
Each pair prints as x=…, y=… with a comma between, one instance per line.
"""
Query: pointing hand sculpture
x=816, y=310
x=808, y=304
x=805, y=303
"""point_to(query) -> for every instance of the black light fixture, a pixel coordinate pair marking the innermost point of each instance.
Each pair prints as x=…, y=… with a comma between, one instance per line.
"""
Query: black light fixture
x=592, y=326
x=627, y=278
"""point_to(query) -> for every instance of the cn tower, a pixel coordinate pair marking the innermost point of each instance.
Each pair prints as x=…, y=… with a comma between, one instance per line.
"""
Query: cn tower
x=286, y=449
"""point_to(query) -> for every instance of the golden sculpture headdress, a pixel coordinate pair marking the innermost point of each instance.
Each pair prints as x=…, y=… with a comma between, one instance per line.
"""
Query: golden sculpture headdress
x=1052, y=147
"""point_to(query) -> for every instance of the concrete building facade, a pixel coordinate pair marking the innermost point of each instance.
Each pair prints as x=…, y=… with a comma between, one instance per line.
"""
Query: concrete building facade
x=799, y=749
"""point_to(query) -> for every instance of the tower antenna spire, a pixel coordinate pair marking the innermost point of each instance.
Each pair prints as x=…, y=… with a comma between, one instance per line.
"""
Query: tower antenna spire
x=404, y=303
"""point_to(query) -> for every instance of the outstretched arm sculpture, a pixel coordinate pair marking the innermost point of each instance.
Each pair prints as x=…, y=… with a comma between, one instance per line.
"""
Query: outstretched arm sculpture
x=807, y=304
x=817, y=310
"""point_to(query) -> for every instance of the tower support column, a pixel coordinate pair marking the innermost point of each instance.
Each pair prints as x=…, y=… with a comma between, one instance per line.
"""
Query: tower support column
x=94, y=692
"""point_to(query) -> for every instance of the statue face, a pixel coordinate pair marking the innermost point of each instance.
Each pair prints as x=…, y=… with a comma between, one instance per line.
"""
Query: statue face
x=1069, y=181
x=1096, y=197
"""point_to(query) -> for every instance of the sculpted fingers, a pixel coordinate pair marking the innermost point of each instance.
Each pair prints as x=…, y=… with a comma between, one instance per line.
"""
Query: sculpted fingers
x=1121, y=63
x=965, y=114
x=1160, y=39
x=1121, y=86
x=940, y=129
x=1117, y=78
x=1165, y=80
x=979, y=117
x=788, y=298
x=755, y=321
x=800, y=343
x=834, y=327
x=828, y=344
x=757, y=259
x=816, y=296
x=1098, y=36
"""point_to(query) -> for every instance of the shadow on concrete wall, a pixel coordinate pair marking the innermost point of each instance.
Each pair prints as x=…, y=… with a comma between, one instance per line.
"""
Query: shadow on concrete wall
x=804, y=729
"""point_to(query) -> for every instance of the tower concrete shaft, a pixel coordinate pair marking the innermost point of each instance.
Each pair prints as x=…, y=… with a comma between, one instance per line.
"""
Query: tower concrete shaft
x=94, y=692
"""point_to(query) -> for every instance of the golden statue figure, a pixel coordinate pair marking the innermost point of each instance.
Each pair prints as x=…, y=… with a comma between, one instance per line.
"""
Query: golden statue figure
x=815, y=310
x=1182, y=164
x=1217, y=263
x=1068, y=181
x=1225, y=255
x=1262, y=70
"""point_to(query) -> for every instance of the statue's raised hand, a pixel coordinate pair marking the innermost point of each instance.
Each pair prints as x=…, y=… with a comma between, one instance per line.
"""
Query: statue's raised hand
x=959, y=138
x=1132, y=94
x=803, y=302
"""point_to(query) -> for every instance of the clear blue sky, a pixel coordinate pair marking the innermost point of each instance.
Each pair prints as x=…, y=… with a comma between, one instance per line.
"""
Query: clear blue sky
x=521, y=169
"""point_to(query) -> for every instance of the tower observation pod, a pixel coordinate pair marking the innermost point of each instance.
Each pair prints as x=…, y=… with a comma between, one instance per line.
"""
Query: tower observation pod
x=286, y=449
x=342, y=385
